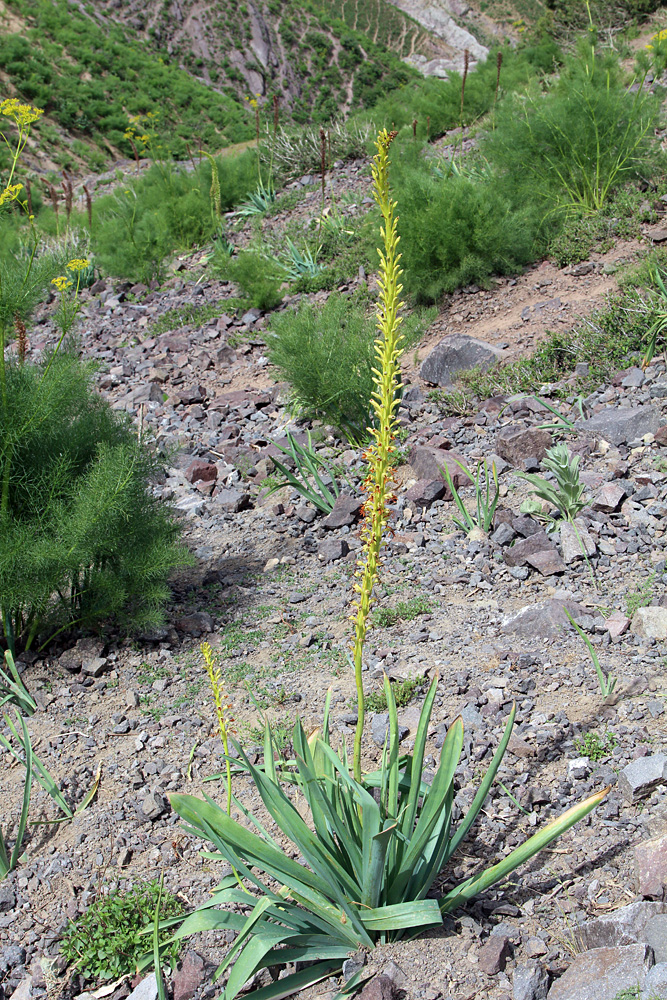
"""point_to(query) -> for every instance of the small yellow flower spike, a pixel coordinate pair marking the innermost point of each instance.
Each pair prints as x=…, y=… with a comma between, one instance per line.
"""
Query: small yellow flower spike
x=10, y=193
x=78, y=264
x=384, y=401
x=62, y=283
x=223, y=708
x=22, y=114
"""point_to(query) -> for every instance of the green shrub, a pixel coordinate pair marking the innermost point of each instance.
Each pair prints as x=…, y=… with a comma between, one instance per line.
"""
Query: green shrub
x=82, y=537
x=575, y=145
x=258, y=277
x=457, y=231
x=327, y=355
x=106, y=942
x=166, y=210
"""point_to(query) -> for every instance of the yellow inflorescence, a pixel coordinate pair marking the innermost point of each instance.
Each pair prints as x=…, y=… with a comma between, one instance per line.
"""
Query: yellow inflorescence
x=22, y=114
x=62, y=283
x=660, y=36
x=384, y=401
x=78, y=264
x=10, y=193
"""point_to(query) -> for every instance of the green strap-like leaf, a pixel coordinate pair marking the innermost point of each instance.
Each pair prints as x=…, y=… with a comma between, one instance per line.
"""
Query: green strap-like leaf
x=419, y=913
x=540, y=840
x=483, y=789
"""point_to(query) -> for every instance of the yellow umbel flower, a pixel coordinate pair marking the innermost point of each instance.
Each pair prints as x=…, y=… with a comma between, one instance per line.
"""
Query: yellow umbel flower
x=384, y=401
x=223, y=708
x=62, y=283
x=22, y=114
x=10, y=193
x=78, y=264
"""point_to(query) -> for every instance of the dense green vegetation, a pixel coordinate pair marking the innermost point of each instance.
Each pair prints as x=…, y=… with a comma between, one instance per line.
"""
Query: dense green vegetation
x=91, y=79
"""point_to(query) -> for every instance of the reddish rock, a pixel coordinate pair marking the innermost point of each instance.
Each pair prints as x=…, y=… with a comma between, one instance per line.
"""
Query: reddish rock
x=661, y=436
x=609, y=498
x=617, y=623
x=651, y=867
x=379, y=988
x=516, y=444
x=198, y=471
x=517, y=554
x=493, y=955
x=425, y=492
x=189, y=977
x=546, y=561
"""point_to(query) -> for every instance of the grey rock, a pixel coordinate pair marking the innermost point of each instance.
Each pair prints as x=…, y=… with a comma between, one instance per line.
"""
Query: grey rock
x=454, y=354
x=232, y=501
x=641, y=776
x=650, y=623
x=655, y=934
x=634, y=378
x=503, y=534
x=655, y=984
x=306, y=514
x=95, y=666
x=346, y=511
x=24, y=990
x=426, y=491
x=530, y=982
x=575, y=541
x=146, y=990
x=154, y=805
x=545, y=620
x=603, y=972
x=624, y=926
x=380, y=729
x=618, y=425
x=195, y=624
x=332, y=549
x=11, y=956
x=7, y=898
x=353, y=965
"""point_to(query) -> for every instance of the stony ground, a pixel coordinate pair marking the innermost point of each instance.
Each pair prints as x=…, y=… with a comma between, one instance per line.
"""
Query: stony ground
x=270, y=591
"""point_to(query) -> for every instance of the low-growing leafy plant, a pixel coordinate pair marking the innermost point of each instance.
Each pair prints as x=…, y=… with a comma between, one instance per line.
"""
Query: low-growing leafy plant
x=403, y=611
x=607, y=683
x=641, y=597
x=657, y=329
x=568, y=493
x=485, y=504
x=403, y=692
x=311, y=476
x=108, y=940
x=259, y=277
x=594, y=746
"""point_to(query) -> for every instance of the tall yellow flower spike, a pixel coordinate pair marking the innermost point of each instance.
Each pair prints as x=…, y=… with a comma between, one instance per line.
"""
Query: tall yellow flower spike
x=384, y=401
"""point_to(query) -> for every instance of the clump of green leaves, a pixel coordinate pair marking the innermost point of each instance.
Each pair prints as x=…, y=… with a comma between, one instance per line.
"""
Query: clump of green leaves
x=567, y=494
x=641, y=597
x=485, y=504
x=108, y=940
x=595, y=746
x=403, y=691
x=258, y=277
x=310, y=474
x=404, y=610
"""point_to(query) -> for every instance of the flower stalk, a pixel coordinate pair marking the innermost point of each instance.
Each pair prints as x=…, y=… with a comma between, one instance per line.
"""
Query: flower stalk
x=222, y=710
x=384, y=402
